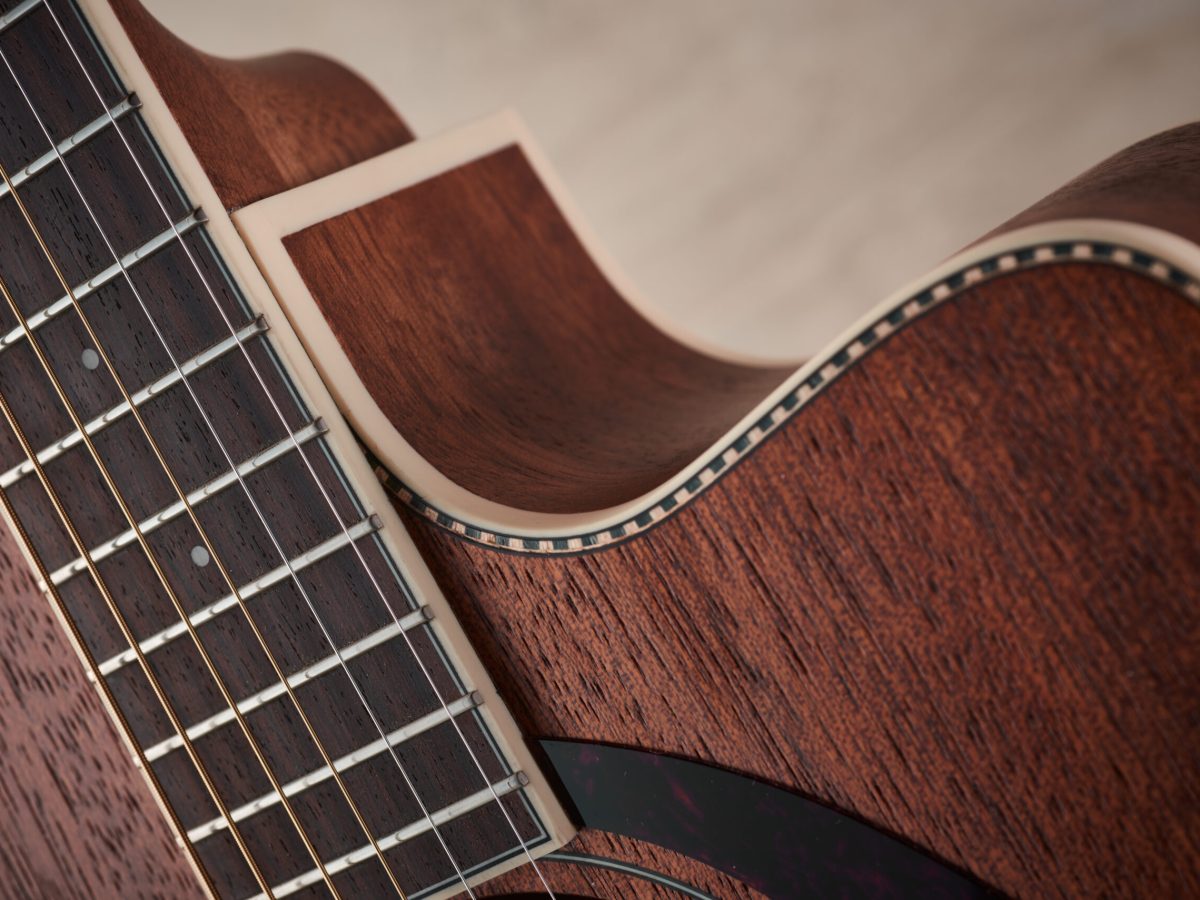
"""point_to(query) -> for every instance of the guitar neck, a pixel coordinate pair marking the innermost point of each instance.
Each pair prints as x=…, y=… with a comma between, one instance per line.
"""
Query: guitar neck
x=283, y=668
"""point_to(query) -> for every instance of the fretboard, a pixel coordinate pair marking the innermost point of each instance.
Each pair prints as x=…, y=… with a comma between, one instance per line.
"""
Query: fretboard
x=241, y=606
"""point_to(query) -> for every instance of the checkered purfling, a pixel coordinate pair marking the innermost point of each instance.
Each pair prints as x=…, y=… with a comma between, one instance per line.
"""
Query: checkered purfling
x=816, y=381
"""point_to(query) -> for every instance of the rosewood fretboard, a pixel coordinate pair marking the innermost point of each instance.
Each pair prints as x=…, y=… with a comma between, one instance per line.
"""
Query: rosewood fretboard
x=308, y=563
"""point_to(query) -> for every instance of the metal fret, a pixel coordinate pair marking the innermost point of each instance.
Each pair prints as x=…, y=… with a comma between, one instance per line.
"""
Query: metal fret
x=17, y=13
x=231, y=601
x=97, y=281
x=407, y=833
x=82, y=136
x=153, y=389
x=377, y=566
x=350, y=760
x=196, y=497
x=275, y=691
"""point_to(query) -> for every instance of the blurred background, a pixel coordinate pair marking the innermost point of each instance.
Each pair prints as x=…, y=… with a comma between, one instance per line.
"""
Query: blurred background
x=766, y=171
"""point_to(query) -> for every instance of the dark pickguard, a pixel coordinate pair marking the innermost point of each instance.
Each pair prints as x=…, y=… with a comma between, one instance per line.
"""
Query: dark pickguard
x=772, y=839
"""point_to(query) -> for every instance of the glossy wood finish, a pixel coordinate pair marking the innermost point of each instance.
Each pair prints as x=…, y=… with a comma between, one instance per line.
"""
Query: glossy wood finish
x=71, y=795
x=498, y=350
x=263, y=528
x=71, y=801
x=910, y=559
x=263, y=125
x=956, y=596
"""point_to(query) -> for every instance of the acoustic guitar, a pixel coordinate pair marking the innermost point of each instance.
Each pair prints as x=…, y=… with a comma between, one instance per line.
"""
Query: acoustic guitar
x=367, y=543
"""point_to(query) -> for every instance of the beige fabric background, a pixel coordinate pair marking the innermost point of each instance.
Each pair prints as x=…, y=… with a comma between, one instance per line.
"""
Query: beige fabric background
x=765, y=170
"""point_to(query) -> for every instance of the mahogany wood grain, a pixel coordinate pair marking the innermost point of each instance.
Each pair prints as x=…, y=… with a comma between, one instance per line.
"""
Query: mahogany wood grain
x=965, y=576
x=303, y=500
x=261, y=126
x=955, y=596
x=76, y=819
x=496, y=347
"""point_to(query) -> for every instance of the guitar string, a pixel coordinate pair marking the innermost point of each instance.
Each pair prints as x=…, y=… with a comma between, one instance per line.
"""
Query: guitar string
x=103, y=588
x=425, y=812
x=129, y=516
x=189, y=509
x=326, y=758
x=324, y=492
x=213, y=555
x=94, y=671
x=229, y=459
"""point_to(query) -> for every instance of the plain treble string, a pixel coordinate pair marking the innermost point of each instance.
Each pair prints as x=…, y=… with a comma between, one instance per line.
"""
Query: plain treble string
x=82, y=549
x=135, y=526
x=320, y=485
x=427, y=815
x=233, y=469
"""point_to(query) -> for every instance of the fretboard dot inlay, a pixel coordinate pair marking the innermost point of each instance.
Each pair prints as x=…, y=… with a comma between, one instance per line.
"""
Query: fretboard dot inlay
x=331, y=691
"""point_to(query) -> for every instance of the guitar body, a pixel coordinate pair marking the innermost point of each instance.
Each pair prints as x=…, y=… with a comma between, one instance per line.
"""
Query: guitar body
x=942, y=581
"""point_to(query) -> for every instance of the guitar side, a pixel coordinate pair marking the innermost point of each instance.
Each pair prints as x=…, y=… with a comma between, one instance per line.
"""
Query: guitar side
x=942, y=578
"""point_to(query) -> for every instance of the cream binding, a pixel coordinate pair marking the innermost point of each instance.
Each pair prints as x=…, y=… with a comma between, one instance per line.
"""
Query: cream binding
x=263, y=226
x=187, y=169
